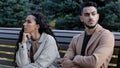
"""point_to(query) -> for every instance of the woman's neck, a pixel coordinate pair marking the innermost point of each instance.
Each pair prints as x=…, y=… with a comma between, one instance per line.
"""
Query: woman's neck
x=35, y=36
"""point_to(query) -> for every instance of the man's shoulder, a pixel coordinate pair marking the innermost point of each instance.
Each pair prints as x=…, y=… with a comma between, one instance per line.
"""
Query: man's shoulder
x=78, y=36
x=107, y=32
x=103, y=30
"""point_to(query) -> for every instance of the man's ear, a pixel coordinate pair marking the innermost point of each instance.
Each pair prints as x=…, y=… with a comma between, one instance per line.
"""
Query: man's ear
x=81, y=18
x=98, y=16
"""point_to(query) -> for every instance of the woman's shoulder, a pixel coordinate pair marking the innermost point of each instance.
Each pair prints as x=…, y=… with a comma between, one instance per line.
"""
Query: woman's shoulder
x=48, y=37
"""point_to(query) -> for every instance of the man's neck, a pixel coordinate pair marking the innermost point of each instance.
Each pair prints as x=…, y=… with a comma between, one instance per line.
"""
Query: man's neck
x=90, y=31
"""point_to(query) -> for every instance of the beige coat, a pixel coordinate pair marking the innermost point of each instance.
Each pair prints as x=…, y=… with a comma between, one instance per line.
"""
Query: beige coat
x=45, y=56
x=98, y=51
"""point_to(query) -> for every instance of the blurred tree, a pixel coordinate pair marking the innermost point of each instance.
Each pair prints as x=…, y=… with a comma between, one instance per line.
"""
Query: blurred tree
x=13, y=12
x=70, y=11
x=101, y=3
x=36, y=5
x=109, y=16
x=51, y=9
x=64, y=11
x=67, y=13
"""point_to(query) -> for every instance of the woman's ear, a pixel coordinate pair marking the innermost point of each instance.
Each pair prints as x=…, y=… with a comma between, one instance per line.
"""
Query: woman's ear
x=38, y=26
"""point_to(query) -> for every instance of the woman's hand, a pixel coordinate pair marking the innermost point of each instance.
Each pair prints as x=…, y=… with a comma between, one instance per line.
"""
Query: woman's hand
x=26, y=36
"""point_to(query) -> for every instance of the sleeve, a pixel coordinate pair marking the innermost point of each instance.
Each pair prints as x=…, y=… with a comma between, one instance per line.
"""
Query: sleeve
x=47, y=56
x=103, y=51
x=69, y=55
x=22, y=56
x=70, y=51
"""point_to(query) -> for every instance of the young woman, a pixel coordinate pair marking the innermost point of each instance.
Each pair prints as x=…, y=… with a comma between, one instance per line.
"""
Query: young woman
x=36, y=47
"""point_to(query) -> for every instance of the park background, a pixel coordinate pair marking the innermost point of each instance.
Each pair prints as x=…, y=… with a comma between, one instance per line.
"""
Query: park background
x=62, y=14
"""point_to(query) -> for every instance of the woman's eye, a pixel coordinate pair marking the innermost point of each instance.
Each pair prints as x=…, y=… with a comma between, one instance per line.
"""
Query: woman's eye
x=28, y=21
x=86, y=14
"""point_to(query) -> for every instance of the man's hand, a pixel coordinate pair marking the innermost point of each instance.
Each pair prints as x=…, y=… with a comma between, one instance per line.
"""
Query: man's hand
x=67, y=64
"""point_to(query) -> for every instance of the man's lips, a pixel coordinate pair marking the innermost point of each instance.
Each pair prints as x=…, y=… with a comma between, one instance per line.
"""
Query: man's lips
x=91, y=22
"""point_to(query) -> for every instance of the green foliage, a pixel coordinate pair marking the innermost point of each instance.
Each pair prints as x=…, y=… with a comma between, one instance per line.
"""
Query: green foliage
x=56, y=9
x=36, y=5
x=69, y=18
x=65, y=12
x=69, y=23
x=110, y=15
x=51, y=9
x=13, y=12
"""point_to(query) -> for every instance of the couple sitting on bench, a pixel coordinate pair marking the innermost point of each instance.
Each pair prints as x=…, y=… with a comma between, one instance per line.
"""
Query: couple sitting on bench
x=37, y=47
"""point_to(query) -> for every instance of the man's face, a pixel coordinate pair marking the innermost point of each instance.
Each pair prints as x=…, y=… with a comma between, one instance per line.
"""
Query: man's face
x=89, y=17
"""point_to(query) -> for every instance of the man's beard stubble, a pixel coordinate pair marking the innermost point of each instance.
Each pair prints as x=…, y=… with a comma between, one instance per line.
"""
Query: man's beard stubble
x=90, y=27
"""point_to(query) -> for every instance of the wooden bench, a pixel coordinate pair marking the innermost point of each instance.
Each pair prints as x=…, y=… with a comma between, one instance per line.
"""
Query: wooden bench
x=9, y=36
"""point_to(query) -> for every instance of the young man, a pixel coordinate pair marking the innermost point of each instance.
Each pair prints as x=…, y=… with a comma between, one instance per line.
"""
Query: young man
x=93, y=48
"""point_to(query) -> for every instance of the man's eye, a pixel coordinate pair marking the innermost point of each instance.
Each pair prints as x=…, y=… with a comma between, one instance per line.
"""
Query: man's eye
x=94, y=14
x=86, y=14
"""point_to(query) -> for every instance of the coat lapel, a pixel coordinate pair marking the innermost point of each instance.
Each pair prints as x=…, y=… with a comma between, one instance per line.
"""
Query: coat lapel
x=95, y=35
x=81, y=38
x=41, y=45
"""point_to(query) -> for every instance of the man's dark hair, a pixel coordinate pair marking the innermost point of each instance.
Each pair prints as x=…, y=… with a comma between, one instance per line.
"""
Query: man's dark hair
x=87, y=4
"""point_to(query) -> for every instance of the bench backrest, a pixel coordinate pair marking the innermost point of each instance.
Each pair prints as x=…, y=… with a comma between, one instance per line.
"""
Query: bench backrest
x=9, y=36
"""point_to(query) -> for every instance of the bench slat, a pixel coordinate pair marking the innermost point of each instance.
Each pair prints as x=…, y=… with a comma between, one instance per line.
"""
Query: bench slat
x=111, y=66
x=9, y=36
x=7, y=49
x=8, y=42
x=5, y=67
x=8, y=56
x=7, y=63
x=9, y=32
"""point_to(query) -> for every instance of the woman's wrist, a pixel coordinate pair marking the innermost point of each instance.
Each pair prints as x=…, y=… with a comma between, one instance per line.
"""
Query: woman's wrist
x=22, y=45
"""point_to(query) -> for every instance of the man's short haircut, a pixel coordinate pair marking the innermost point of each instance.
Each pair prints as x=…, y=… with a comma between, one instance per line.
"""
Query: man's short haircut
x=87, y=4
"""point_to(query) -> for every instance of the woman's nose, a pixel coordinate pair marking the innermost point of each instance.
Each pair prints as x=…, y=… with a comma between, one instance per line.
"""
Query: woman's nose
x=24, y=24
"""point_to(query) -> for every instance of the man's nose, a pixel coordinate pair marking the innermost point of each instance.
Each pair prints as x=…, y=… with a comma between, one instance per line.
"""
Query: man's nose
x=91, y=16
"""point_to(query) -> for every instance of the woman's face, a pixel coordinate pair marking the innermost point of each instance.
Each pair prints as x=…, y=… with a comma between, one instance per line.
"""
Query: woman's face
x=30, y=24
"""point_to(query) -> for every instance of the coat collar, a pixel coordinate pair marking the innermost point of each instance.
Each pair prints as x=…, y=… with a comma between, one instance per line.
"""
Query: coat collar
x=94, y=36
x=97, y=32
x=41, y=44
x=43, y=38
